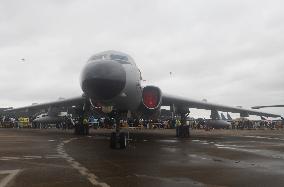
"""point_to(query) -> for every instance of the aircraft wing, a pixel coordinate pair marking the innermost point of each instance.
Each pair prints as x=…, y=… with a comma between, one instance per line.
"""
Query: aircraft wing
x=75, y=101
x=258, y=107
x=168, y=100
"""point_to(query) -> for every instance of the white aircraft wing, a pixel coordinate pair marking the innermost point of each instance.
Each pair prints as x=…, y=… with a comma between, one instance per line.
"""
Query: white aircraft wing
x=169, y=100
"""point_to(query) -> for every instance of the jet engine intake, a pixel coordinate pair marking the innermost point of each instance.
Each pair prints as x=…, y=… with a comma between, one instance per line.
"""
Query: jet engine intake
x=103, y=80
x=151, y=97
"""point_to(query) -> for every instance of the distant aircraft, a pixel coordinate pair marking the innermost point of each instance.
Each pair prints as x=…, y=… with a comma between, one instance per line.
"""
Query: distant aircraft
x=217, y=123
x=111, y=84
x=50, y=119
x=213, y=123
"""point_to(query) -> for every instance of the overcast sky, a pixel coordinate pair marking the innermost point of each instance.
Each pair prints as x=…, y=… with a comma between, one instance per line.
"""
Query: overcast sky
x=229, y=52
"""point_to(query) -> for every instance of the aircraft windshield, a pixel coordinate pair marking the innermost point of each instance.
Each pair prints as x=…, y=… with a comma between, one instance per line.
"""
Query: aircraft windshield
x=99, y=57
x=122, y=59
x=119, y=58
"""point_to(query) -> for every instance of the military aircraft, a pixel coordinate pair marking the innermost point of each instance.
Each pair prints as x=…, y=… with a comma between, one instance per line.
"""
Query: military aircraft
x=220, y=123
x=45, y=118
x=111, y=84
x=217, y=124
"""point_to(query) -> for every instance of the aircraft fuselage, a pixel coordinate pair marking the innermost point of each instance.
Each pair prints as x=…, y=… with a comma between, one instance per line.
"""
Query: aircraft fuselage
x=112, y=79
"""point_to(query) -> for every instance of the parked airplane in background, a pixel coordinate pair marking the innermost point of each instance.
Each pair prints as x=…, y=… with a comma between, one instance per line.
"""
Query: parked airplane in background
x=111, y=84
x=51, y=119
x=217, y=124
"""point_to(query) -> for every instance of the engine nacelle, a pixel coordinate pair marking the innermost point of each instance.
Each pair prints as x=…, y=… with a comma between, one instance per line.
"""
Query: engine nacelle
x=151, y=102
x=152, y=97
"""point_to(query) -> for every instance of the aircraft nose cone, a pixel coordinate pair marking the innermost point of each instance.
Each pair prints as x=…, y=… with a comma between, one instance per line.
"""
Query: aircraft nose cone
x=103, y=81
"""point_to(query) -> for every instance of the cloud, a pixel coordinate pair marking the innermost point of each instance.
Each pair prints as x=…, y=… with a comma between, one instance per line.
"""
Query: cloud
x=226, y=51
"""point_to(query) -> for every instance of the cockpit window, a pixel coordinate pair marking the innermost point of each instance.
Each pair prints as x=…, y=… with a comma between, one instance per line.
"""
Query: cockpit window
x=98, y=57
x=120, y=58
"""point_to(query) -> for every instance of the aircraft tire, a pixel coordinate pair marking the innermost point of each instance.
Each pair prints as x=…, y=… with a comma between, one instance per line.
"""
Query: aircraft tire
x=122, y=140
x=178, y=131
x=113, y=140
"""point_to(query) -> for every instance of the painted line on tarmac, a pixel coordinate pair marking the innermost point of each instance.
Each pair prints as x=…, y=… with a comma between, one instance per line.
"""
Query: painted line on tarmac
x=9, y=158
x=261, y=152
x=76, y=165
x=10, y=175
x=29, y=157
x=32, y=157
x=263, y=137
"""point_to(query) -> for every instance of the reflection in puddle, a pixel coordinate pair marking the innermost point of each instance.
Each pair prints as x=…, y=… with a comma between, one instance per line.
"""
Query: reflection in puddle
x=170, y=149
x=168, y=141
x=166, y=181
x=266, y=153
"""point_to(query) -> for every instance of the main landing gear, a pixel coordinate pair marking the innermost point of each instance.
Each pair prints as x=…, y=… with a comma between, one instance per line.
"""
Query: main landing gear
x=183, y=131
x=118, y=139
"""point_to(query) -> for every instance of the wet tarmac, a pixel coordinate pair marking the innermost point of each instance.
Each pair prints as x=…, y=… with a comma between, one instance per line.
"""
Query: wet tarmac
x=55, y=158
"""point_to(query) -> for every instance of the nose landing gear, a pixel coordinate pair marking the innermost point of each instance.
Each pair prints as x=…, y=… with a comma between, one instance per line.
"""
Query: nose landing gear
x=82, y=126
x=118, y=139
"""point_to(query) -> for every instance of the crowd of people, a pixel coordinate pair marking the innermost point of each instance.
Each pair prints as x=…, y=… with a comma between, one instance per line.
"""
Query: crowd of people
x=260, y=124
x=109, y=123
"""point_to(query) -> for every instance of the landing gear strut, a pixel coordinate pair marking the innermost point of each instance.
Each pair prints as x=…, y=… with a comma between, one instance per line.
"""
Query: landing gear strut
x=118, y=140
x=82, y=126
x=183, y=131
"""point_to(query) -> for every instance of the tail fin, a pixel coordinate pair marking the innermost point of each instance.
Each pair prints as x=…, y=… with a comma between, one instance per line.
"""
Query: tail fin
x=229, y=117
x=223, y=117
x=263, y=118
